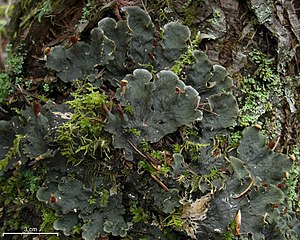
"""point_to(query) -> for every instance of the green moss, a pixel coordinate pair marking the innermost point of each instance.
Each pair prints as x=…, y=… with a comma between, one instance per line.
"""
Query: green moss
x=157, y=154
x=193, y=149
x=259, y=90
x=25, y=4
x=145, y=166
x=17, y=197
x=174, y=220
x=104, y=197
x=83, y=135
x=3, y=9
x=13, y=151
x=48, y=218
x=176, y=148
x=234, y=138
x=32, y=9
x=186, y=59
x=91, y=200
x=163, y=8
x=207, y=179
x=292, y=183
x=190, y=11
x=230, y=234
x=86, y=11
x=45, y=9
x=138, y=213
x=150, y=68
x=145, y=145
x=15, y=60
x=128, y=109
x=133, y=131
x=4, y=86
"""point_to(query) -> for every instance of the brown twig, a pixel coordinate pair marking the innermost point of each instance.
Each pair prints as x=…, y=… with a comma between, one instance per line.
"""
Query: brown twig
x=160, y=183
x=236, y=196
x=151, y=159
x=209, y=111
x=276, y=143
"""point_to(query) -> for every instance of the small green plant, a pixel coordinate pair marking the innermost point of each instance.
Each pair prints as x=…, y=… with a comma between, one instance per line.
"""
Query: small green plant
x=134, y=131
x=230, y=234
x=91, y=200
x=13, y=151
x=164, y=169
x=191, y=148
x=17, y=196
x=145, y=145
x=138, y=214
x=47, y=8
x=258, y=89
x=48, y=218
x=9, y=189
x=83, y=135
x=46, y=87
x=174, y=220
x=128, y=109
x=157, y=154
x=198, y=180
x=31, y=180
x=15, y=60
x=104, y=197
x=220, y=145
x=177, y=148
x=77, y=229
x=86, y=11
x=163, y=9
x=187, y=58
x=217, y=13
x=4, y=86
x=145, y=166
x=235, y=137
x=150, y=68
x=292, y=183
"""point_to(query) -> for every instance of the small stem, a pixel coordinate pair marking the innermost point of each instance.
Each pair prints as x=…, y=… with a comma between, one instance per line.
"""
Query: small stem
x=276, y=143
x=208, y=111
x=236, y=196
x=160, y=183
x=146, y=156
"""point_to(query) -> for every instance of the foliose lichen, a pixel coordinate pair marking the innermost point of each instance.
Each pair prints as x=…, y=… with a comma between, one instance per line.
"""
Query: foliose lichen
x=160, y=121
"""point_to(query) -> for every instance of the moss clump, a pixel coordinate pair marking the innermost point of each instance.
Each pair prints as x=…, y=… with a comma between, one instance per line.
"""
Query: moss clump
x=13, y=151
x=15, y=61
x=262, y=90
x=19, y=207
x=83, y=134
x=4, y=86
x=186, y=59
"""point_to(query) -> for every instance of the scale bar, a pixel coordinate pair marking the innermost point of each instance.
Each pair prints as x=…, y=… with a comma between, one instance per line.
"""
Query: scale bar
x=29, y=233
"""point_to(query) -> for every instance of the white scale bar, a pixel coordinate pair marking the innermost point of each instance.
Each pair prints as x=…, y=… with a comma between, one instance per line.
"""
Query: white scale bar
x=29, y=233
